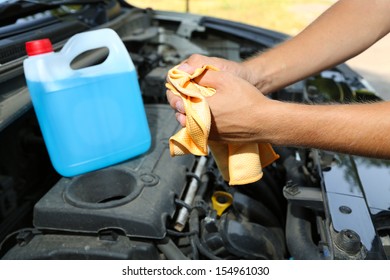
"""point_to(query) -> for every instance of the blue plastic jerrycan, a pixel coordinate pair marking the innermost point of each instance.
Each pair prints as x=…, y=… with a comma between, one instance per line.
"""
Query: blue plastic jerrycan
x=92, y=117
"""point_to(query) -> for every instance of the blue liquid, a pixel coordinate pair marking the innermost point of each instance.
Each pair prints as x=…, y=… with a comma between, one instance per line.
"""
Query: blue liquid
x=90, y=123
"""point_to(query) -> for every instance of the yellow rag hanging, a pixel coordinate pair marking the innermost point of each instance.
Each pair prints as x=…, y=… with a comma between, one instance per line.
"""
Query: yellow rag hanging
x=239, y=163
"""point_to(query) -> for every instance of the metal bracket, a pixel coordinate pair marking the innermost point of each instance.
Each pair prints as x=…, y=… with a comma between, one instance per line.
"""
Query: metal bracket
x=304, y=196
x=187, y=27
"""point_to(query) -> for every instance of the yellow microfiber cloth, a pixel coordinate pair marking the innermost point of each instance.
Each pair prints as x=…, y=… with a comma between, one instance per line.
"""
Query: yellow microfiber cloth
x=239, y=163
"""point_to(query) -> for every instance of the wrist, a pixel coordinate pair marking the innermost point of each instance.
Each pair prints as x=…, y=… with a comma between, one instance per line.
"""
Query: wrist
x=262, y=72
x=270, y=122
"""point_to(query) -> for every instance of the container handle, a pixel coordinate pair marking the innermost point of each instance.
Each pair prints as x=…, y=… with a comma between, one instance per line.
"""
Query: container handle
x=95, y=39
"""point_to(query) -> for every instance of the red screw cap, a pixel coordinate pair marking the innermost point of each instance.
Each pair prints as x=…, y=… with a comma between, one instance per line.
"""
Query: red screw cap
x=38, y=47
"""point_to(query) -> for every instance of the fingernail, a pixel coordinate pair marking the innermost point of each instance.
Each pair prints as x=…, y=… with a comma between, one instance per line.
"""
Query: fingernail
x=180, y=119
x=184, y=67
x=180, y=107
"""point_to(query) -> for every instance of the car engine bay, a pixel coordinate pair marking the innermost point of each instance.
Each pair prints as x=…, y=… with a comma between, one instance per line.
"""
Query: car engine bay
x=310, y=204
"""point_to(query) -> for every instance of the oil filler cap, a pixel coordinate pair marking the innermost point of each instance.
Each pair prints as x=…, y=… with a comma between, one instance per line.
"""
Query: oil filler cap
x=221, y=201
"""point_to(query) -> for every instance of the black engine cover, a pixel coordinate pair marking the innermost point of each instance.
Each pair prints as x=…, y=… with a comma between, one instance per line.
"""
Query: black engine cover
x=135, y=197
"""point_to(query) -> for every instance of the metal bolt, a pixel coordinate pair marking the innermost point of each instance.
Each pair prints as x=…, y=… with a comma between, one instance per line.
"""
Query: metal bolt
x=345, y=209
x=348, y=241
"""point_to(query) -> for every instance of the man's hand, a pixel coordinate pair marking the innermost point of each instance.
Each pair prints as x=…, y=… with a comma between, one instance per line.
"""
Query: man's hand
x=196, y=61
x=232, y=107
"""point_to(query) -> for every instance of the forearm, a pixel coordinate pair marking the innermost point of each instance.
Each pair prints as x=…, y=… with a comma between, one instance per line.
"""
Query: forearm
x=360, y=129
x=345, y=30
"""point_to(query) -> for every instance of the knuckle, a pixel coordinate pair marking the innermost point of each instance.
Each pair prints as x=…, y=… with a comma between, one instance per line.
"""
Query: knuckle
x=196, y=60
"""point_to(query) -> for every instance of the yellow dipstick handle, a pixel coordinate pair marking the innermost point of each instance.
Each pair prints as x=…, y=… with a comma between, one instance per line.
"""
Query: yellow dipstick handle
x=221, y=201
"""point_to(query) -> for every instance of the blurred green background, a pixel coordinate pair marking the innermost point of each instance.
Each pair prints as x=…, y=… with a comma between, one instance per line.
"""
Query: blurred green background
x=288, y=16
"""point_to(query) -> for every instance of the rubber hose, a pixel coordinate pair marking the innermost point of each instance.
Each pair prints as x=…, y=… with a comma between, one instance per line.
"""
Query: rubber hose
x=298, y=235
x=194, y=226
x=170, y=250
